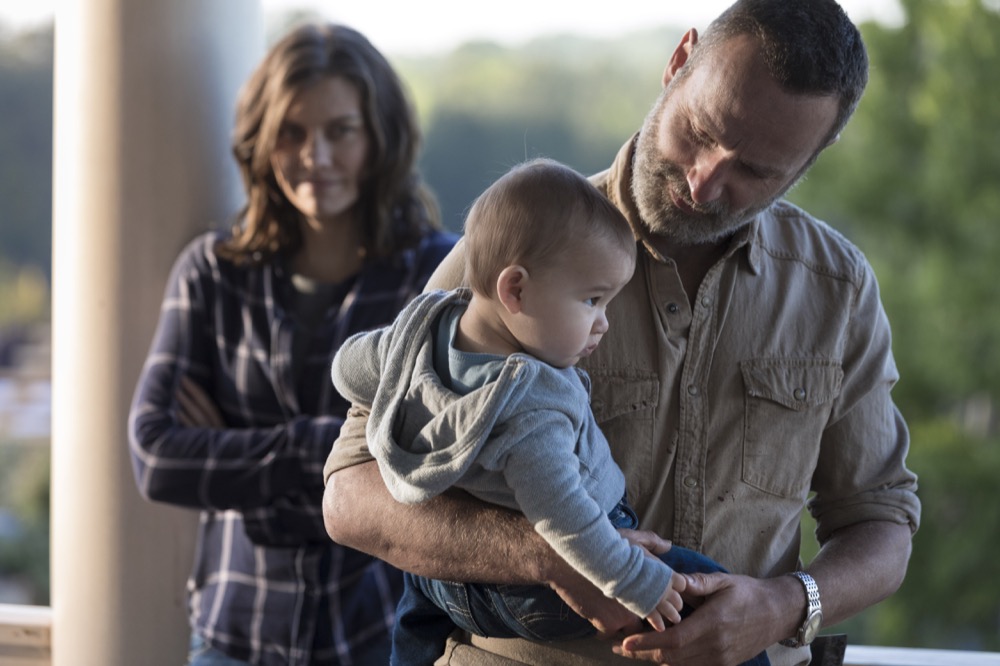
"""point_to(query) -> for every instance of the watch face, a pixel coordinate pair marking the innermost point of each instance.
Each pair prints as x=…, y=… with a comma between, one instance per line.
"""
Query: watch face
x=811, y=627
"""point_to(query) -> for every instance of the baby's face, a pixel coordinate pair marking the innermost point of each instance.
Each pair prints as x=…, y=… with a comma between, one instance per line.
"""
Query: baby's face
x=564, y=304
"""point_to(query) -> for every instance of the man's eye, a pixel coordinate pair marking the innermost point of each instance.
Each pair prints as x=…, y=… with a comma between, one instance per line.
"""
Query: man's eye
x=755, y=172
x=700, y=137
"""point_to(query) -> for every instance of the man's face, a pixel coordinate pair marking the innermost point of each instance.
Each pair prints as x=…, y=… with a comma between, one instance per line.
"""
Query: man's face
x=721, y=144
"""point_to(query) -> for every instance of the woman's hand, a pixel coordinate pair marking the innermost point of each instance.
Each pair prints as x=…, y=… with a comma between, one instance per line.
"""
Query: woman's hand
x=197, y=409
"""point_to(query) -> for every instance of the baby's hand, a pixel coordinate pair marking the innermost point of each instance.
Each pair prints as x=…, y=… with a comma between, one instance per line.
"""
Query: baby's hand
x=670, y=604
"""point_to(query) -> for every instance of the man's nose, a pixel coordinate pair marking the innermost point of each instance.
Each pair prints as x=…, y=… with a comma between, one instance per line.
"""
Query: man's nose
x=707, y=178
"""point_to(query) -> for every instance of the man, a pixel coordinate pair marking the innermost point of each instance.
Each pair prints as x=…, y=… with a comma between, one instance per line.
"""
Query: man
x=747, y=365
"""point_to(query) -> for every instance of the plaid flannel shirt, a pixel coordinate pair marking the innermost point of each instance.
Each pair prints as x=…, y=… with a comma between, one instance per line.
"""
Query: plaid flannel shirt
x=268, y=586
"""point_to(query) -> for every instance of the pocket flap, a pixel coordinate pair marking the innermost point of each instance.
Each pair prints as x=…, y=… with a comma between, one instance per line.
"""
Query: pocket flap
x=795, y=383
x=622, y=394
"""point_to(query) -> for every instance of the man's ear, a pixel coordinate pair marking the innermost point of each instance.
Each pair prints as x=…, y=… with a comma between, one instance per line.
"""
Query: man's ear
x=510, y=284
x=680, y=55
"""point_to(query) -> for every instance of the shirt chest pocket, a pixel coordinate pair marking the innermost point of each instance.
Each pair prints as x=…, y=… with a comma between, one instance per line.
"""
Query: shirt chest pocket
x=624, y=405
x=787, y=406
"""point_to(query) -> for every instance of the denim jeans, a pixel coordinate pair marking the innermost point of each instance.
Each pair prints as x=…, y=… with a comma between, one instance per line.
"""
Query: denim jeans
x=375, y=653
x=429, y=610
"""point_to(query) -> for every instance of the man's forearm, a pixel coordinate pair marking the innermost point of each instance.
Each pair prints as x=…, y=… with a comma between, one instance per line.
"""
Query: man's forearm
x=859, y=566
x=451, y=537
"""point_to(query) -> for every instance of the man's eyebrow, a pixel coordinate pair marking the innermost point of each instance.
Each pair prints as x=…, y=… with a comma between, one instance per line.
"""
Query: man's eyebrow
x=711, y=127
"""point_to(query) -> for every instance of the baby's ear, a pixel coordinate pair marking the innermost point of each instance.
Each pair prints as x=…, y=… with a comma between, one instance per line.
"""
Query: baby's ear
x=510, y=283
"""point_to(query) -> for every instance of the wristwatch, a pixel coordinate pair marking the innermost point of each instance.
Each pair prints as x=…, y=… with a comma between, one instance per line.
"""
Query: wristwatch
x=814, y=613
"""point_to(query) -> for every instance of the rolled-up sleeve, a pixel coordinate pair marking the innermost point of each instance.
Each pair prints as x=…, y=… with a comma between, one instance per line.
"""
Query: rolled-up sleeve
x=862, y=474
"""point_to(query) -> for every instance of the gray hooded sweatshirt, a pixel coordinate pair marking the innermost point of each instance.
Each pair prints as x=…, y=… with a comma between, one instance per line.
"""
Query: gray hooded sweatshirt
x=526, y=441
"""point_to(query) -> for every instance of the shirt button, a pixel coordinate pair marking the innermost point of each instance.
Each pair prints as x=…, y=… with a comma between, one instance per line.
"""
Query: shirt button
x=672, y=308
x=706, y=301
x=690, y=481
x=799, y=393
x=692, y=389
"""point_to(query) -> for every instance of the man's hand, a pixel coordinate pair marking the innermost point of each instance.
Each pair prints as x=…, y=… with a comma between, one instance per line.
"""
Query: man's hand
x=730, y=624
x=651, y=542
x=737, y=617
x=610, y=618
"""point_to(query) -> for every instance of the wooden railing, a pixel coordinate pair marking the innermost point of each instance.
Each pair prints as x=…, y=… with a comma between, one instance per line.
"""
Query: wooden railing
x=863, y=655
x=25, y=635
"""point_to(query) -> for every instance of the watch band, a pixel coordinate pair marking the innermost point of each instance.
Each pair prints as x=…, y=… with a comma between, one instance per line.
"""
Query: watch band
x=814, y=613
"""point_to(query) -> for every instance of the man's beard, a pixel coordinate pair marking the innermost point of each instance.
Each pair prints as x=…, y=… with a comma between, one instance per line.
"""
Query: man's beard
x=655, y=181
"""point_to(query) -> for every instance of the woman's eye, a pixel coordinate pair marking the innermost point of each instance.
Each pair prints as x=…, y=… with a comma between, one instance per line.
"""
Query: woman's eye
x=291, y=134
x=341, y=131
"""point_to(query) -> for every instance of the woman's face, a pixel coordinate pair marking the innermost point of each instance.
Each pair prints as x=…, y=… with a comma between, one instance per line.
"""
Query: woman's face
x=322, y=150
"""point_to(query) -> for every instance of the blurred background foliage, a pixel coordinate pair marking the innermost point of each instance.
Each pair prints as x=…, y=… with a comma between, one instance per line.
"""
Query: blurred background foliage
x=913, y=181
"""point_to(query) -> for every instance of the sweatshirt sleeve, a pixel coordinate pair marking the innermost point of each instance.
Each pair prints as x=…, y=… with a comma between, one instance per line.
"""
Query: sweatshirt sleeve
x=357, y=366
x=544, y=474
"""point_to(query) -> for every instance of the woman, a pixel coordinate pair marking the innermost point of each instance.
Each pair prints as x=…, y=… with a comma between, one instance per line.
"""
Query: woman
x=234, y=413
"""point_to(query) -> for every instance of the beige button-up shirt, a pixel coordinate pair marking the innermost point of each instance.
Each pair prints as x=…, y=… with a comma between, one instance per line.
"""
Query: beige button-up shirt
x=729, y=412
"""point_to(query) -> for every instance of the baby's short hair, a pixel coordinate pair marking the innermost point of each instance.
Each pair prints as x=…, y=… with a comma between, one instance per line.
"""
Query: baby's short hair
x=536, y=211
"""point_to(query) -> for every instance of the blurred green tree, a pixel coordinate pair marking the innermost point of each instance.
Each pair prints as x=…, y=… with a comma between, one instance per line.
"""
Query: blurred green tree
x=26, y=60
x=487, y=107
x=914, y=182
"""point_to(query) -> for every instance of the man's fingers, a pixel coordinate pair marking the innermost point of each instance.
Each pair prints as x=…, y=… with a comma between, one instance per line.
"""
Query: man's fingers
x=698, y=586
x=704, y=584
x=606, y=615
x=638, y=647
x=613, y=626
x=651, y=541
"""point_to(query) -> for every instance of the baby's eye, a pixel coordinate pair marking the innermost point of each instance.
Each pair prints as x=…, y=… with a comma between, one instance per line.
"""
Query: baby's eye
x=592, y=301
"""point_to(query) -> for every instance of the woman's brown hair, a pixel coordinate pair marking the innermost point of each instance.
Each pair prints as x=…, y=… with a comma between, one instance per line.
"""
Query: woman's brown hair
x=395, y=207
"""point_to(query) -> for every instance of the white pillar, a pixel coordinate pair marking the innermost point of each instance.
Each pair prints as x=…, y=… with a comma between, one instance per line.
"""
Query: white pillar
x=144, y=100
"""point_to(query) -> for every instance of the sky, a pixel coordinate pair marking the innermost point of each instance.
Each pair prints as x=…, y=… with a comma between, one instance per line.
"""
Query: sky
x=408, y=27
